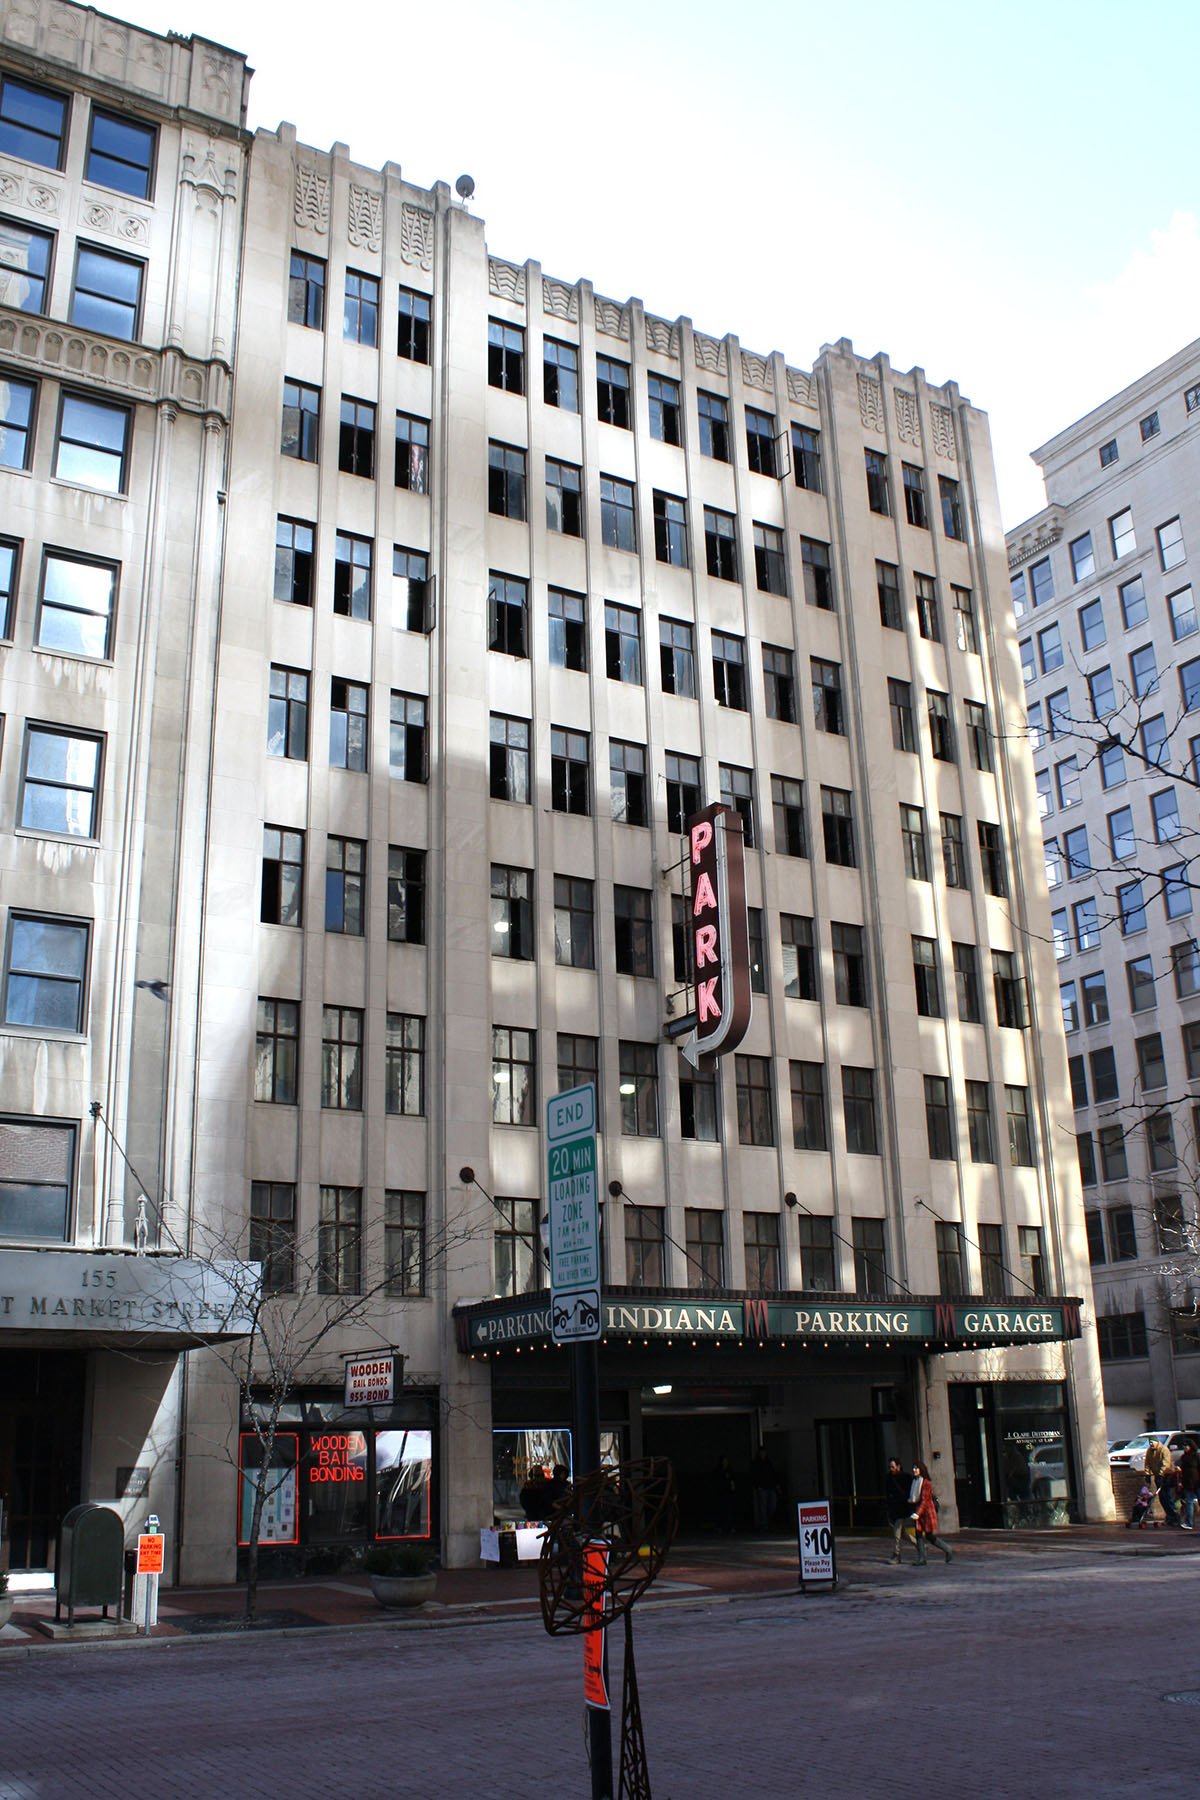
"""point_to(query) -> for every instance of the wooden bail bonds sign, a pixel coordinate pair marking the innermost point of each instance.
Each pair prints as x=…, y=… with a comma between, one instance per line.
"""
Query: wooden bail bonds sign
x=720, y=932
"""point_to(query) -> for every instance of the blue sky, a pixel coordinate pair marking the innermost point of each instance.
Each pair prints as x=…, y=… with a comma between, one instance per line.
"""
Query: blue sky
x=1005, y=196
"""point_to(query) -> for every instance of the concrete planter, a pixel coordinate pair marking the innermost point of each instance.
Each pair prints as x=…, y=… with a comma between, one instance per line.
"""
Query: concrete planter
x=6, y=1606
x=403, y=1590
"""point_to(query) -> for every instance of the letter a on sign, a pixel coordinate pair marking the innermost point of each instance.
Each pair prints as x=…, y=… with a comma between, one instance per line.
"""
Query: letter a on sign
x=720, y=932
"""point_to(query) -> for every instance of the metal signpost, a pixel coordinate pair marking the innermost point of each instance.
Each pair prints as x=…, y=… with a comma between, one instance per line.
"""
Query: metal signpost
x=151, y=1547
x=575, y=1320
x=818, y=1553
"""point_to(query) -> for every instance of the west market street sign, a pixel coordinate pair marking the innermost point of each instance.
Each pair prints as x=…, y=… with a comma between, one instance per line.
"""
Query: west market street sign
x=801, y=1318
x=172, y=1301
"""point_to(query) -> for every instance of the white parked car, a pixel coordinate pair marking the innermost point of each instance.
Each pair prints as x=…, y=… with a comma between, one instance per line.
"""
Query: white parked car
x=1133, y=1454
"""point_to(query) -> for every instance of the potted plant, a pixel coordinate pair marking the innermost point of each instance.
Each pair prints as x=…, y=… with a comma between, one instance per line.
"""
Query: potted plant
x=401, y=1574
x=6, y=1600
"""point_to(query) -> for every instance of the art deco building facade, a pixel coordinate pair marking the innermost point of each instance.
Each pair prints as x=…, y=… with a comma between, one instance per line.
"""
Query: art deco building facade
x=1102, y=586
x=501, y=580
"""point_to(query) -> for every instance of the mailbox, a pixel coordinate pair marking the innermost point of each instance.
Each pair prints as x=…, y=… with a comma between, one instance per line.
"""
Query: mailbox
x=91, y=1560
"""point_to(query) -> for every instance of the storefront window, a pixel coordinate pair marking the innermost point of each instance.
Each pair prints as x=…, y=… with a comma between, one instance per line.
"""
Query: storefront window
x=521, y=1459
x=279, y=1522
x=403, y=1461
x=334, y=1483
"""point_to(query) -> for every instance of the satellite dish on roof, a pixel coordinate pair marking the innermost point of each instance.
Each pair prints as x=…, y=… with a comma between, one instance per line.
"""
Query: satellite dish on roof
x=464, y=187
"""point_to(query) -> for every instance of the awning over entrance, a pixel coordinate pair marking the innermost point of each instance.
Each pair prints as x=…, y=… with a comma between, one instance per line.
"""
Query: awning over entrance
x=108, y=1297
x=490, y=1327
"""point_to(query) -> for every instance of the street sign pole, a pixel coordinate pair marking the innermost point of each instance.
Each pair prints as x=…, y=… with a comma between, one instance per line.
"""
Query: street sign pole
x=575, y=1308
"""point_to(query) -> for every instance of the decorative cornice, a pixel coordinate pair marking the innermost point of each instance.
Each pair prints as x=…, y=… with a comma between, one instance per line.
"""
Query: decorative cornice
x=662, y=336
x=559, y=299
x=800, y=387
x=506, y=280
x=1048, y=535
x=156, y=377
x=611, y=318
x=709, y=353
x=756, y=371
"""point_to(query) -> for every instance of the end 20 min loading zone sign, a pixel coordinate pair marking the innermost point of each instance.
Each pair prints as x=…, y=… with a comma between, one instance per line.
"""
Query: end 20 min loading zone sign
x=574, y=1215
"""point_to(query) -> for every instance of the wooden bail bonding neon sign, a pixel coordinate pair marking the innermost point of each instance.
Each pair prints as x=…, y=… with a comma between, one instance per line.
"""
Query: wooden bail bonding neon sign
x=720, y=932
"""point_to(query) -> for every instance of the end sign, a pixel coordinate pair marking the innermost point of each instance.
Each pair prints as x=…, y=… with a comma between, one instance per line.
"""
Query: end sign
x=574, y=1215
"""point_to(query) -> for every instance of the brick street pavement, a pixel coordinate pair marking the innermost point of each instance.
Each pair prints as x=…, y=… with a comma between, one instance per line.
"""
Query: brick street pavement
x=1018, y=1671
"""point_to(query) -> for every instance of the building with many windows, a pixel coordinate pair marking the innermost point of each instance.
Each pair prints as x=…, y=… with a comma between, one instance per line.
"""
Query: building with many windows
x=485, y=584
x=1102, y=590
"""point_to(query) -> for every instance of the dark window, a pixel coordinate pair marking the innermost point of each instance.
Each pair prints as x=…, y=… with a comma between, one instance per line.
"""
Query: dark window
x=870, y=1256
x=515, y=1246
x=878, y=494
x=560, y=374
x=345, y=886
x=770, y=560
x=729, y=670
x=818, y=1271
x=929, y=614
x=979, y=1122
x=1033, y=1261
x=737, y=791
x=904, y=731
x=951, y=1268
x=1121, y=1337
x=514, y=1076
x=508, y=615
x=644, y=1246
x=1122, y=1234
x=60, y=786
x=107, y=292
x=509, y=759
x=412, y=326
x=927, y=978
x=405, y=895
x=356, y=438
x=612, y=392
x=353, y=559
x=1108, y=453
x=677, y=658
x=914, y=842
x=914, y=497
x=850, y=987
x=46, y=972
x=623, y=643
x=699, y=1104
x=93, y=444
x=78, y=606
x=818, y=574
x=564, y=498
x=33, y=123
x=348, y=735
x=991, y=1261
x=760, y=442
x=1091, y=625
x=408, y=740
x=567, y=630
x=683, y=790
x=966, y=984
x=941, y=727
x=806, y=458
x=412, y=453
x=761, y=1239
x=633, y=930
x=1020, y=1137
x=404, y=1065
x=991, y=859
x=755, y=1100
x=779, y=683
x=713, y=414
x=282, y=876
x=639, y=1089
x=506, y=481
x=1152, y=1064
x=341, y=1058
x=829, y=712
x=412, y=592
x=954, y=855
x=887, y=584
x=1140, y=975
x=837, y=823
x=293, y=562
x=1104, y=1074
x=952, y=512
x=670, y=530
x=810, y=1127
x=287, y=714
x=404, y=1242
x=306, y=291
x=570, y=756
x=512, y=913
x=578, y=1061
x=273, y=1233
x=1009, y=991
x=120, y=154
x=627, y=783
x=979, y=736
x=665, y=423
x=798, y=957
x=704, y=1243
x=1135, y=608
x=574, y=922
x=787, y=811
x=339, y=1238
x=360, y=309
x=506, y=356
x=618, y=527
x=300, y=437
x=720, y=544
x=939, y=1132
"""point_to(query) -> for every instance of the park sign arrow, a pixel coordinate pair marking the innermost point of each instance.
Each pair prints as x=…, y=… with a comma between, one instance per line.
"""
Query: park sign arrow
x=720, y=932
x=574, y=1215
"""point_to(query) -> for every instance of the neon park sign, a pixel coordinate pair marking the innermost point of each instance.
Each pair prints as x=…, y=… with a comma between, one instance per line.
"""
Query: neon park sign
x=720, y=932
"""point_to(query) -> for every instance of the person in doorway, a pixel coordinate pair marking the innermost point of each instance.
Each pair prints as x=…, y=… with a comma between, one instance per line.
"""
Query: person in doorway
x=556, y=1487
x=1189, y=1476
x=765, y=1488
x=924, y=1514
x=725, y=1496
x=897, y=1504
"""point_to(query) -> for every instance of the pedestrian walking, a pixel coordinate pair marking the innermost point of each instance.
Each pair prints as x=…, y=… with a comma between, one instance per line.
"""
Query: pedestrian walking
x=1189, y=1475
x=897, y=1504
x=1158, y=1465
x=924, y=1514
x=764, y=1483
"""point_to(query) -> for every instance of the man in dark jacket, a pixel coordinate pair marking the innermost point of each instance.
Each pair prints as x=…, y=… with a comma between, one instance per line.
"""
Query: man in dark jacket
x=895, y=1499
x=1189, y=1474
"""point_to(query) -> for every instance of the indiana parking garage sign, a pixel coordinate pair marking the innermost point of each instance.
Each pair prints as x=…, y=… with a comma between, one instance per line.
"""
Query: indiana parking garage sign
x=720, y=932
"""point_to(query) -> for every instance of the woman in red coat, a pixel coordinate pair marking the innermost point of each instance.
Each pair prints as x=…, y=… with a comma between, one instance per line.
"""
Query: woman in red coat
x=925, y=1514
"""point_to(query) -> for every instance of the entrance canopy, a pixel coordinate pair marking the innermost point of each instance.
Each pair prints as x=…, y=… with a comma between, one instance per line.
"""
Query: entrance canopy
x=105, y=1296
x=830, y=1321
